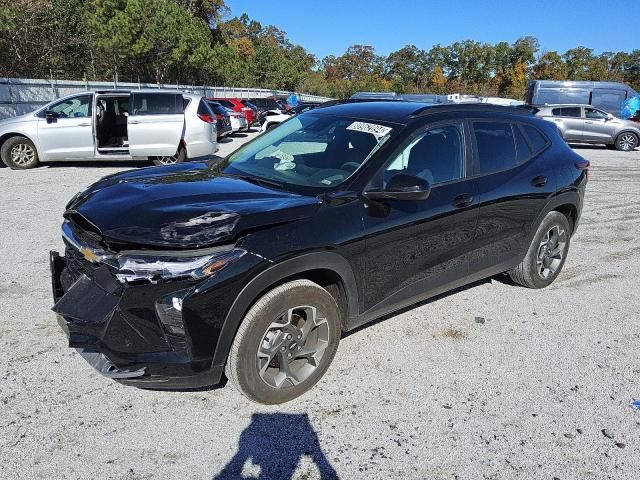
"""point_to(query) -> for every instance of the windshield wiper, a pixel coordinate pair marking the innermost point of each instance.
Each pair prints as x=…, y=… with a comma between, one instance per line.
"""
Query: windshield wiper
x=256, y=180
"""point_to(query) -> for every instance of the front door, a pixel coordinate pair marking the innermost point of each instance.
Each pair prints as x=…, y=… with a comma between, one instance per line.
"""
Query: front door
x=65, y=130
x=598, y=127
x=416, y=248
x=155, y=124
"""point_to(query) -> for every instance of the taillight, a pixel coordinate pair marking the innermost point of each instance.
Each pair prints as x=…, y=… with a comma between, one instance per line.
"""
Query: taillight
x=583, y=165
x=206, y=118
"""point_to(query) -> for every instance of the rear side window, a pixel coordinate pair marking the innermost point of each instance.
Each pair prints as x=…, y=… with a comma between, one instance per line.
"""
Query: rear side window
x=522, y=147
x=536, y=138
x=567, y=112
x=157, y=104
x=496, y=147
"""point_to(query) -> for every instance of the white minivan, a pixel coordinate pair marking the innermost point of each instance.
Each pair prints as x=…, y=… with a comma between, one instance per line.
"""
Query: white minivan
x=163, y=126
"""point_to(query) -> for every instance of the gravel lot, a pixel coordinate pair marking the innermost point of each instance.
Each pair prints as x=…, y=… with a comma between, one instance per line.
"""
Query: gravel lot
x=494, y=381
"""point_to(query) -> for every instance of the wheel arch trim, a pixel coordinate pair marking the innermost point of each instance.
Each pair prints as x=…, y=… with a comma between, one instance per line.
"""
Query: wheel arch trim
x=322, y=260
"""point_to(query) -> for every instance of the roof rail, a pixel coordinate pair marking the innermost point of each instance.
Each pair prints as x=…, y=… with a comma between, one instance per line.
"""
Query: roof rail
x=479, y=107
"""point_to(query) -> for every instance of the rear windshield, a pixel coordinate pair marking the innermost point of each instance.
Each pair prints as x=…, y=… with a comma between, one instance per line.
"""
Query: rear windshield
x=217, y=108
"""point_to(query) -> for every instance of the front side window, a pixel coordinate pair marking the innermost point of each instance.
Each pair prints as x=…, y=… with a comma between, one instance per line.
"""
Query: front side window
x=495, y=143
x=76, y=107
x=157, y=104
x=307, y=152
x=436, y=156
x=594, y=114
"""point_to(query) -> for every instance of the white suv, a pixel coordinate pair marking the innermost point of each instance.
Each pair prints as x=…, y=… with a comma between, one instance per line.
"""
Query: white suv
x=163, y=126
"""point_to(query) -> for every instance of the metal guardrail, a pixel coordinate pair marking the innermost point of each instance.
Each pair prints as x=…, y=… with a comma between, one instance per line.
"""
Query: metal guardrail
x=23, y=95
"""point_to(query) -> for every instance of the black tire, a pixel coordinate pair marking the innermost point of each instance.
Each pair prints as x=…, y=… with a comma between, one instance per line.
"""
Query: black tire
x=256, y=333
x=533, y=272
x=19, y=153
x=626, y=141
x=179, y=157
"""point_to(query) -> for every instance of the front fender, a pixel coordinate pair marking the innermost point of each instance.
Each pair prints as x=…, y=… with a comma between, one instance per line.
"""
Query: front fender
x=325, y=260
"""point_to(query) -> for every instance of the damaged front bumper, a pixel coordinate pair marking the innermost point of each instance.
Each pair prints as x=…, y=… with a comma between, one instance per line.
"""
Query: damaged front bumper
x=138, y=334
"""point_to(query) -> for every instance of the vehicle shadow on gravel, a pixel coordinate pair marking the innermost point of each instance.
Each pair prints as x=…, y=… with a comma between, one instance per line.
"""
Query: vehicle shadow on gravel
x=273, y=445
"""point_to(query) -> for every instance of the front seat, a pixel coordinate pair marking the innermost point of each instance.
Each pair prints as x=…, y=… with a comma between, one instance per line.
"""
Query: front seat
x=361, y=144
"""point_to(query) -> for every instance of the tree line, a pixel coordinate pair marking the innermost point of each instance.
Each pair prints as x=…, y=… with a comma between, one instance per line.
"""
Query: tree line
x=199, y=42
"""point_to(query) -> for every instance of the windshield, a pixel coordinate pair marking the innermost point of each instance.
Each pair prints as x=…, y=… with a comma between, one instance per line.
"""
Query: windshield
x=309, y=150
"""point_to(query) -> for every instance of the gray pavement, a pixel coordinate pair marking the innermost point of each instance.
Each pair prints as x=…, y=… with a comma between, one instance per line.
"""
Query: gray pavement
x=493, y=381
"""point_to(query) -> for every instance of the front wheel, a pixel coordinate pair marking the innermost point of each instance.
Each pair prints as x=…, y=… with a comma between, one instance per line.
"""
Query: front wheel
x=19, y=153
x=547, y=253
x=626, y=141
x=285, y=343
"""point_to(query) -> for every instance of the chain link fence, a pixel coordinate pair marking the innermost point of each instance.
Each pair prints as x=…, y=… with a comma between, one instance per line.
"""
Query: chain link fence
x=23, y=95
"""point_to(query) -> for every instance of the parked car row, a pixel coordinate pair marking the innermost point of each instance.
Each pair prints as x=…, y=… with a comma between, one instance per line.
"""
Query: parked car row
x=163, y=126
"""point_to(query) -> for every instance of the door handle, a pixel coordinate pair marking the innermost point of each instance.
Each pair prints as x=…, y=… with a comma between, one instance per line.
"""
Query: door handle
x=84, y=124
x=588, y=121
x=462, y=201
x=539, y=181
x=133, y=122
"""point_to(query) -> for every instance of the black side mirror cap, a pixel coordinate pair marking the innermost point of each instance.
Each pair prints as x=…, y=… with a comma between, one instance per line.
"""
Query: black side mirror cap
x=401, y=186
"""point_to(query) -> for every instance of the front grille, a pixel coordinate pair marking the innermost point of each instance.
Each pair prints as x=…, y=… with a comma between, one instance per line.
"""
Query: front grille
x=76, y=266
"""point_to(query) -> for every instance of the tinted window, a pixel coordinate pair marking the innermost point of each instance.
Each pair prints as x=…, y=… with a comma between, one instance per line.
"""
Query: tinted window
x=522, y=147
x=157, y=104
x=595, y=114
x=537, y=139
x=217, y=108
x=496, y=149
x=562, y=95
x=226, y=103
x=436, y=156
x=567, y=112
x=76, y=107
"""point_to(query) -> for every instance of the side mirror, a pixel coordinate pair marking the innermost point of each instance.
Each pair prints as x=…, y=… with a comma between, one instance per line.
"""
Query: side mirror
x=609, y=117
x=50, y=116
x=401, y=186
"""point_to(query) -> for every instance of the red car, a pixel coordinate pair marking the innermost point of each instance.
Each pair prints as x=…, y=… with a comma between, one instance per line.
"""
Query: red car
x=237, y=106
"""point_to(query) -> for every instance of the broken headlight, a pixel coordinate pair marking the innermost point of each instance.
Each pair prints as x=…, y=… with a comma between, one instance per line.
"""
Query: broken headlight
x=157, y=266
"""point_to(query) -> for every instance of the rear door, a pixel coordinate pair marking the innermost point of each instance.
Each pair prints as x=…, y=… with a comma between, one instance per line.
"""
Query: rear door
x=155, y=124
x=570, y=122
x=515, y=182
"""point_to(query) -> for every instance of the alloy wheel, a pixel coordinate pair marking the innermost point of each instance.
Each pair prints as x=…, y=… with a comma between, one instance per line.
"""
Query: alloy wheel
x=22, y=154
x=172, y=160
x=292, y=347
x=551, y=251
x=628, y=142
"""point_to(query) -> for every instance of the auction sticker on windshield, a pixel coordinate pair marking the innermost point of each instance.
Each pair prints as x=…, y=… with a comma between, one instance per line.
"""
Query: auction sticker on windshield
x=378, y=131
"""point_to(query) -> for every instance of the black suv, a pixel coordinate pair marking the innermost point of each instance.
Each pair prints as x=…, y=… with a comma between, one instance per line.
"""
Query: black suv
x=255, y=266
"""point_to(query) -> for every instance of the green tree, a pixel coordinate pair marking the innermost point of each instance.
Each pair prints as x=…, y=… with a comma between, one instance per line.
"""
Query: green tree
x=550, y=66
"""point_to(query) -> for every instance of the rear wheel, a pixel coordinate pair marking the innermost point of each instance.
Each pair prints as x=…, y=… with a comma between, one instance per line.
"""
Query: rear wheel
x=19, y=153
x=285, y=343
x=626, y=141
x=178, y=157
x=547, y=253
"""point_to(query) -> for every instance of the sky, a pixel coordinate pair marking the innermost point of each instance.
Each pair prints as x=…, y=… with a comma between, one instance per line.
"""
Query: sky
x=329, y=27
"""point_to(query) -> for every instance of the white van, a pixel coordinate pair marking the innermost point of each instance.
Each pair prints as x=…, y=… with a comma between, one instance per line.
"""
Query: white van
x=165, y=127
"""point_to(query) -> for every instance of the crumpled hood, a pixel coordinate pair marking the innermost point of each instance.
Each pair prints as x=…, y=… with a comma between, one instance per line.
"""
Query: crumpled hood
x=183, y=206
